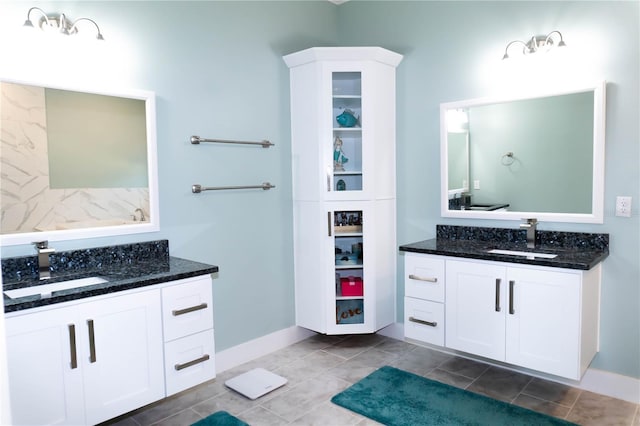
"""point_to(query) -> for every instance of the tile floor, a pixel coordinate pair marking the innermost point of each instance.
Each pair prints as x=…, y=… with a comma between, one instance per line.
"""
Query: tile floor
x=321, y=366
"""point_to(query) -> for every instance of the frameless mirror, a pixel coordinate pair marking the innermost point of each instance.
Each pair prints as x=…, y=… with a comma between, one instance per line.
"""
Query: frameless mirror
x=76, y=163
x=536, y=156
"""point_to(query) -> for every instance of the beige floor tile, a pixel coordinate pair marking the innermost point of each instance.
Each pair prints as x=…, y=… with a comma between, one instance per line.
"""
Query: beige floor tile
x=552, y=391
x=542, y=406
x=592, y=409
x=501, y=384
x=464, y=367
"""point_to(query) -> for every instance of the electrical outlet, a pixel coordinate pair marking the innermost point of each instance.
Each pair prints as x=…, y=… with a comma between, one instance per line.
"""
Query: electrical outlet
x=476, y=184
x=623, y=206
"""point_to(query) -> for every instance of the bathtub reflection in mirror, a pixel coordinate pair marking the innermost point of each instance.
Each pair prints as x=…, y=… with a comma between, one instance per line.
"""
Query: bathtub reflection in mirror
x=76, y=163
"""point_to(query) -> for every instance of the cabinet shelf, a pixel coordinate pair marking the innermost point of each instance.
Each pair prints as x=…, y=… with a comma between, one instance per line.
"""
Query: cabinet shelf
x=349, y=297
x=346, y=233
x=349, y=266
x=348, y=173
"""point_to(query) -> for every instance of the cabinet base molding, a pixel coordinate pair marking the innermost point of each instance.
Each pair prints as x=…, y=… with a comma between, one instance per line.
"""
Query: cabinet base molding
x=597, y=381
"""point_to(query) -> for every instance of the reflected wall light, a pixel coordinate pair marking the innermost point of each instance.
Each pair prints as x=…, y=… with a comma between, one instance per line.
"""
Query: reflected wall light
x=58, y=23
x=536, y=44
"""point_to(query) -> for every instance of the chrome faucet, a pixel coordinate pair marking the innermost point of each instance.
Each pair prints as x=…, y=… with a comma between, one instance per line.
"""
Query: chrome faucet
x=530, y=226
x=135, y=217
x=44, y=251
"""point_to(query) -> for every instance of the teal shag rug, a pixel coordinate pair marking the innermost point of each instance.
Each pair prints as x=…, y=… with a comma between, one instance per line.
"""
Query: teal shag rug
x=397, y=398
x=220, y=418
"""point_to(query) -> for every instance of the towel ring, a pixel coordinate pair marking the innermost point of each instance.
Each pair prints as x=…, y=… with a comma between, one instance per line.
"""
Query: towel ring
x=507, y=159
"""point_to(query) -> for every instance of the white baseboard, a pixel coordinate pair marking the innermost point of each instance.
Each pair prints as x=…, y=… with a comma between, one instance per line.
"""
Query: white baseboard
x=261, y=346
x=611, y=384
x=598, y=381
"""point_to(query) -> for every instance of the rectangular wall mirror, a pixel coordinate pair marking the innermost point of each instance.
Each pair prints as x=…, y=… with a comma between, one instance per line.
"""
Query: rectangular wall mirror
x=536, y=156
x=76, y=163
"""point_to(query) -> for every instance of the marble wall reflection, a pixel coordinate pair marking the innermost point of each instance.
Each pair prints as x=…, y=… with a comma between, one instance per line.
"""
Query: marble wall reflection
x=28, y=203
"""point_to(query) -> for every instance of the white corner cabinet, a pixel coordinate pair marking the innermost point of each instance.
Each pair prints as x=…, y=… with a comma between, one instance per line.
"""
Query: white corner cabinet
x=540, y=318
x=344, y=187
x=90, y=360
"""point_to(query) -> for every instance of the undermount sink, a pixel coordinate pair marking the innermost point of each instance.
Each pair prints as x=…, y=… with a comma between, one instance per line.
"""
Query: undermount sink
x=45, y=290
x=528, y=254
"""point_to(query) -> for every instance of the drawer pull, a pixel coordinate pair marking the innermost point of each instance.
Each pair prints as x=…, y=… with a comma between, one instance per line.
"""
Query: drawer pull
x=92, y=342
x=72, y=344
x=423, y=322
x=203, y=358
x=419, y=278
x=512, y=284
x=177, y=312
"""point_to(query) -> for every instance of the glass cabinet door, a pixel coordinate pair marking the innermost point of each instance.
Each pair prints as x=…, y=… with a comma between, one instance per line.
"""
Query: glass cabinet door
x=350, y=288
x=347, y=131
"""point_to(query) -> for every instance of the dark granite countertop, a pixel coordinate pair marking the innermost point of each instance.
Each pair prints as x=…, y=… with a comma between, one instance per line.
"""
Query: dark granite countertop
x=124, y=267
x=574, y=250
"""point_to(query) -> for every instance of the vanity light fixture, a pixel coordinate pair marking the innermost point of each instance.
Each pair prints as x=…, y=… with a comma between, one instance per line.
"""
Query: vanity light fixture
x=537, y=44
x=58, y=23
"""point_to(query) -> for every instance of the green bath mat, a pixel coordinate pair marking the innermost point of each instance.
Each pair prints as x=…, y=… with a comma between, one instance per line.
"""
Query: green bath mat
x=220, y=418
x=397, y=398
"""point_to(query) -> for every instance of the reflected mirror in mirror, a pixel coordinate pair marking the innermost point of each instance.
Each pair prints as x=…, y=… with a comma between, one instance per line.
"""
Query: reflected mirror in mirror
x=76, y=163
x=540, y=156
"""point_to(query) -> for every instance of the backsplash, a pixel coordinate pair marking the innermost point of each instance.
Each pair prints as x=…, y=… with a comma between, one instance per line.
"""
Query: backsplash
x=547, y=239
x=67, y=262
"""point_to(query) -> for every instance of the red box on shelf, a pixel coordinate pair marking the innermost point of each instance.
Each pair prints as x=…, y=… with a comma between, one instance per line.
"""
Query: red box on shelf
x=351, y=286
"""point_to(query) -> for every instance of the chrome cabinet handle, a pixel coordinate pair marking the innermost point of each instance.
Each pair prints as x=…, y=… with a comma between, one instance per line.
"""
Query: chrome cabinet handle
x=419, y=278
x=177, y=312
x=203, y=358
x=511, y=309
x=423, y=322
x=498, y=281
x=72, y=345
x=328, y=180
x=329, y=223
x=92, y=342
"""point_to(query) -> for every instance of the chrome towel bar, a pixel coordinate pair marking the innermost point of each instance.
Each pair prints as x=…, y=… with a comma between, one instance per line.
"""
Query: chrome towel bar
x=199, y=188
x=195, y=140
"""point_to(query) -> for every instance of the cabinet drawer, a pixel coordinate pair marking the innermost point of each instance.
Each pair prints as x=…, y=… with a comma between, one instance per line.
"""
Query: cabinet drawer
x=424, y=277
x=187, y=308
x=424, y=321
x=189, y=361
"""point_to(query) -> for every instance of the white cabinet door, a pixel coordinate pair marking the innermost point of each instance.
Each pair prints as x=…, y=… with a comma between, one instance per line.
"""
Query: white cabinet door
x=86, y=363
x=123, y=365
x=45, y=388
x=543, y=321
x=475, y=308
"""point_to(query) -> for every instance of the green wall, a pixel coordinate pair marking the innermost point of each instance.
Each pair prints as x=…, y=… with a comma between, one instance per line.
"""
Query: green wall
x=217, y=70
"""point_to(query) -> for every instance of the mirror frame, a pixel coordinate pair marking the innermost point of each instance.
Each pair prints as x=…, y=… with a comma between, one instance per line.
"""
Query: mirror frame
x=598, y=145
x=153, y=222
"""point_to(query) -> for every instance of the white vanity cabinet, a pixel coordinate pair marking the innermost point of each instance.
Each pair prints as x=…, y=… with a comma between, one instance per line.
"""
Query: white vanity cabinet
x=541, y=318
x=85, y=363
x=344, y=219
x=545, y=319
